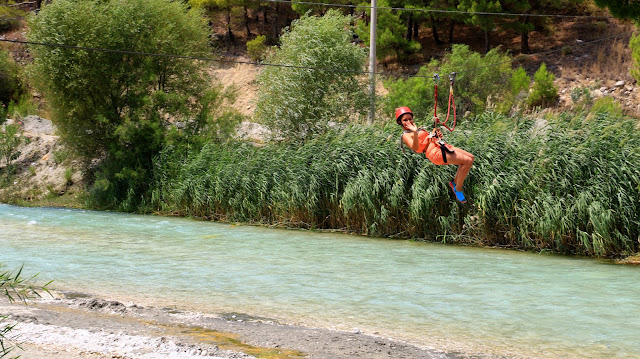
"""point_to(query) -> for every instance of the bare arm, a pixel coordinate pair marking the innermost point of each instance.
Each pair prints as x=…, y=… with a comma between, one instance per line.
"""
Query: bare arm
x=411, y=139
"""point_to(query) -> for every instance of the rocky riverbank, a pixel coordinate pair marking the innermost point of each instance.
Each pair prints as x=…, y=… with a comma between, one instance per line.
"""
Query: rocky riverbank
x=73, y=326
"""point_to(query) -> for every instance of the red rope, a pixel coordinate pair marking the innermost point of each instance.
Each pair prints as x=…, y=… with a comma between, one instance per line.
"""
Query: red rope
x=452, y=103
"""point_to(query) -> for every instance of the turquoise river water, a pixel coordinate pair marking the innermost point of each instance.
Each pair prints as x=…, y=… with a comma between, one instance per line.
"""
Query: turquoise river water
x=452, y=298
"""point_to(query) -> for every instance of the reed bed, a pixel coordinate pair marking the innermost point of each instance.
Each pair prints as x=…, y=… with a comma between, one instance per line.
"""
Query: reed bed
x=568, y=184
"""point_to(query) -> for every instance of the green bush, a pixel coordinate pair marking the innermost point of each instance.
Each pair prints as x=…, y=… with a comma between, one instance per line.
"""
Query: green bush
x=10, y=139
x=606, y=105
x=297, y=101
x=22, y=107
x=483, y=77
x=257, y=47
x=10, y=81
x=10, y=17
x=510, y=102
x=581, y=96
x=122, y=107
x=3, y=113
x=543, y=91
x=634, y=45
x=520, y=81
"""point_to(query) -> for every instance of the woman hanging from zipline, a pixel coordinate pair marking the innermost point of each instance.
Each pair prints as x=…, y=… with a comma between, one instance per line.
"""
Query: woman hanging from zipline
x=432, y=143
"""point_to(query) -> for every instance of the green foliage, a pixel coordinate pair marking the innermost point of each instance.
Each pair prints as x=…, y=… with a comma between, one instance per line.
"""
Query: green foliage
x=298, y=102
x=581, y=96
x=22, y=107
x=68, y=174
x=482, y=78
x=622, y=9
x=606, y=105
x=10, y=139
x=257, y=47
x=120, y=107
x=15, y=287
x=634, y=45
x=390, y=29
x=543, y=91
x=61, y=155
x=10, y=16
x=3, y=113
x=564, y=184
x=10, y=82
x=520, y=81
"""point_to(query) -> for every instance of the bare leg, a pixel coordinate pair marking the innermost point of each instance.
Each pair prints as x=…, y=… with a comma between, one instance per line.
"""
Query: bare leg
x=464, y=160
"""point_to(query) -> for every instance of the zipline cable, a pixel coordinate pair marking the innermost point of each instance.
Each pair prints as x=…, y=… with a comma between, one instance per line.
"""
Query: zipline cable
x=289, y=66
x=18, y=4
x=436, y=10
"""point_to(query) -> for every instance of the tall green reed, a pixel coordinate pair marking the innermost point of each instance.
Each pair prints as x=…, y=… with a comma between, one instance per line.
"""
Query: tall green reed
x=568, y=183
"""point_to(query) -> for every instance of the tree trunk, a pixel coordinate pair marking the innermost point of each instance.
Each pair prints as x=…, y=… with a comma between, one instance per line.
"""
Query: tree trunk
x=415, y=29
x=410, y=28
x=274, y=24
x=229, y=33
x=264, y=15
x=524, y=37
x=246, y=22
x=434, y=30
x=451, y=26
x=486, y=41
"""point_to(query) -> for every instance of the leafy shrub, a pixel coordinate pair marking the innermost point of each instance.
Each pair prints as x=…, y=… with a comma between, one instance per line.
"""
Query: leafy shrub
x=520, y=81
x=390, y=33
x=257, y=47
x=10, y=17
x=581, y=96
x=10, y=139
x=483, y=76
x=543, y=91
x=606, y=105
x=121, y=107
x=298, y=102
x=634, y=45
x=10, y=82
x=3, y=113
x=22, y=107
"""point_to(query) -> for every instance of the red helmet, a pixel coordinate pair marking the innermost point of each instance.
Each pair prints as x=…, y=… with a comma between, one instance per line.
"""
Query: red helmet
x=401, y=111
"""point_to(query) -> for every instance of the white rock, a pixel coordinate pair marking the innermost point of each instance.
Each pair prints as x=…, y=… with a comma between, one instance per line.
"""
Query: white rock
x=619, y=83
x=603, y=88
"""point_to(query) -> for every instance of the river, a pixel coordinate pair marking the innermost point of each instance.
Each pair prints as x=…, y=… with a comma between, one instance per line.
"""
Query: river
x=454, y=298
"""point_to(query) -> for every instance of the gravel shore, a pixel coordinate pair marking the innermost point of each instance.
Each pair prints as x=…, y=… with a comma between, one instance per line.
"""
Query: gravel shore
x=75, y=326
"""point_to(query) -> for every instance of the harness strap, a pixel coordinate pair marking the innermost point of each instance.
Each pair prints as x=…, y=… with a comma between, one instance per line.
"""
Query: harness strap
x=444, y=149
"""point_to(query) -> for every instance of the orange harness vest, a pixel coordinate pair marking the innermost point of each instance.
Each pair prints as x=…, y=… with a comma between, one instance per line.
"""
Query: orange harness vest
x=429, y=143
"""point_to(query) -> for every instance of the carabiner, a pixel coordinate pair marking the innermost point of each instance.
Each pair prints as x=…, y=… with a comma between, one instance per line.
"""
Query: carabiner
x=452, y=77
x=436, y=78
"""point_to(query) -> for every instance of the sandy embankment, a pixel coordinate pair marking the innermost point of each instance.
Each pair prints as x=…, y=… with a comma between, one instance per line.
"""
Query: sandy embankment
x=78, y=326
